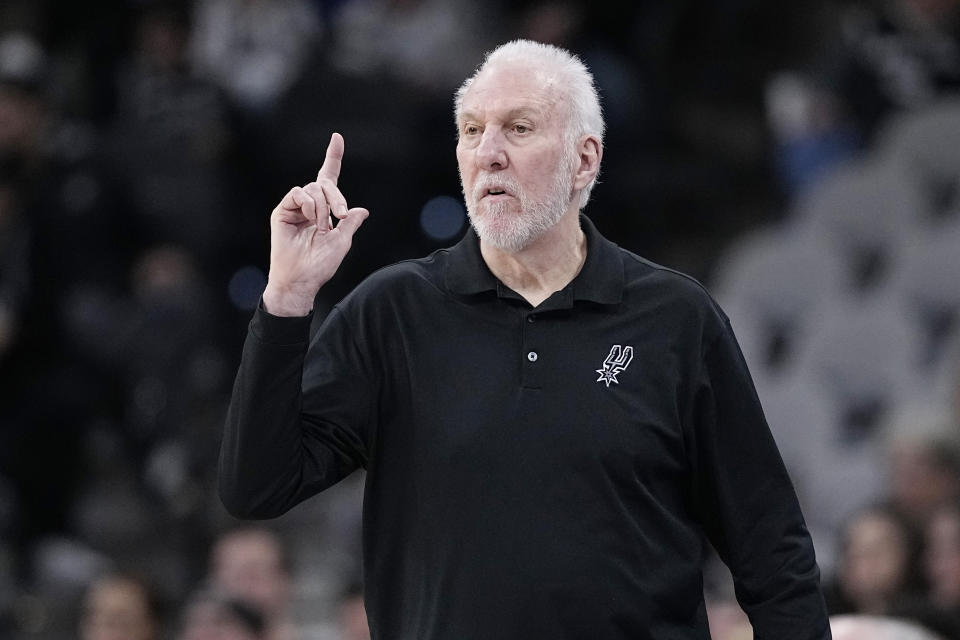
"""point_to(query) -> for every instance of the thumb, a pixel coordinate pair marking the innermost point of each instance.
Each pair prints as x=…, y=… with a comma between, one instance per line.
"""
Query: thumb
x=355, y=217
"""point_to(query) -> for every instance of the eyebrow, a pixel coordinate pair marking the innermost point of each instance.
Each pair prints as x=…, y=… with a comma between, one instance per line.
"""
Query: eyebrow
x=516, y=112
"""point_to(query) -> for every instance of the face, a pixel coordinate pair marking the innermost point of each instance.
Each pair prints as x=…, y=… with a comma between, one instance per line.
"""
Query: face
x=21, y=118
x=516, y=168
x=117, y=610
x=247, y=565
x=917, y=484
x=874, y=562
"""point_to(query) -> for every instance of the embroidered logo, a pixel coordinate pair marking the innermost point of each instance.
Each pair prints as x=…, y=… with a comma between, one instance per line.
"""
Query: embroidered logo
x=618, y=360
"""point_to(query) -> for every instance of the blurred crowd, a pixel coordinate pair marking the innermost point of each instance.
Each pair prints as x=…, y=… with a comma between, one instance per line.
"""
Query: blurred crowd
x=801, y=159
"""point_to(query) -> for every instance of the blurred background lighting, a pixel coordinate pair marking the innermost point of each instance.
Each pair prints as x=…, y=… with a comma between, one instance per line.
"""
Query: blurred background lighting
x=246, y=286
x=442, y=218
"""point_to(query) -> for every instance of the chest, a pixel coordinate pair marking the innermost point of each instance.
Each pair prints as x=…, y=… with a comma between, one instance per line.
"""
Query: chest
x=571, y=388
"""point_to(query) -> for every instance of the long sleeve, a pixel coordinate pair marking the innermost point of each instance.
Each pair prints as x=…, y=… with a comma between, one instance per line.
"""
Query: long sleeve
x=748, y=504
x=291, y=432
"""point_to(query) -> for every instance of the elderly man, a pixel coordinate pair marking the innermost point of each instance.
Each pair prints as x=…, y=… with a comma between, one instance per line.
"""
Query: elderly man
x=549, y=423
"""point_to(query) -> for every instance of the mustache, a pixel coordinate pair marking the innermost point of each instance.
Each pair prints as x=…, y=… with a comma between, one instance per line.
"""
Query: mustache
x=506, y=183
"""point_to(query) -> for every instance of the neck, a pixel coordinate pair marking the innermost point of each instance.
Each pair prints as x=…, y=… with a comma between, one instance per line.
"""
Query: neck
x=546, y=265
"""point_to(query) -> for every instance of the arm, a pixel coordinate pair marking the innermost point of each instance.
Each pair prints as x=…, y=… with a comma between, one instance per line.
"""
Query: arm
x=289, y=435
x=274, y=453
x=747, y=503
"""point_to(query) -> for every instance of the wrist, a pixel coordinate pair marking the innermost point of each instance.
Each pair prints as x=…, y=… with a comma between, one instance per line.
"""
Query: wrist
x=287, y=301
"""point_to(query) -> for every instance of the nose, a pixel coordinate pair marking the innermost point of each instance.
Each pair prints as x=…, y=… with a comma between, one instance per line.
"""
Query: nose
x=491, y=152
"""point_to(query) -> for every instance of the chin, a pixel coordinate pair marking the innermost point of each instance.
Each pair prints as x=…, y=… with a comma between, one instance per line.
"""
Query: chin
x=505, y=237
x=512, y=228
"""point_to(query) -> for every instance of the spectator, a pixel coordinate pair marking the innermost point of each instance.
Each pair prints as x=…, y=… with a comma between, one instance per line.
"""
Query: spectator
x=924, y=460
x=883, y=57
x=21, y=115
x=899, y=54
x=430, y=44
x=170, y=139
x=23, y=68
x=251, y=564
x=120, y=607
x=168, y=348
x=878, y=565
x=254, y=49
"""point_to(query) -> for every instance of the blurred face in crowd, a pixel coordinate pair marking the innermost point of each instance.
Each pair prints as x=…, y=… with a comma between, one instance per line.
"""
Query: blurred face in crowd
x=161, y=39
x=117, y=609
x=942, y=559
x=918, y=484
x=21, y=120
x=874, y=562
x=516, y=165
x=249, y=565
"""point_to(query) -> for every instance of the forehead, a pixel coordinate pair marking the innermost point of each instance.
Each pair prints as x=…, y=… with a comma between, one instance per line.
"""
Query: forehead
x=510, y=87
x=245, y=548
x=115, y=593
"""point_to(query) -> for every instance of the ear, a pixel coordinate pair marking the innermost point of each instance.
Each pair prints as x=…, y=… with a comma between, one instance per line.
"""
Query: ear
x=590, y=152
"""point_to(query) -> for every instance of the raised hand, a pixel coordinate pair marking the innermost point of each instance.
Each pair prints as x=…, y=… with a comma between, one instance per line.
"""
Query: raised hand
x=305, y=248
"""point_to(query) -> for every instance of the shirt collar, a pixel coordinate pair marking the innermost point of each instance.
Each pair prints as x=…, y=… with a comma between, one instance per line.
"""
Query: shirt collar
x=600, y=279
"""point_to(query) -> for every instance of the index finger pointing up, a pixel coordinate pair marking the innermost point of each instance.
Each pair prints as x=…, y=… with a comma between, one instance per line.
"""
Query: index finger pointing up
x=331, y=164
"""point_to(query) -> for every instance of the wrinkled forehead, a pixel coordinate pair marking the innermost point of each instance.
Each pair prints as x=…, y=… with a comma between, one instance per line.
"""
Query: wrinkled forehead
x=508, y=86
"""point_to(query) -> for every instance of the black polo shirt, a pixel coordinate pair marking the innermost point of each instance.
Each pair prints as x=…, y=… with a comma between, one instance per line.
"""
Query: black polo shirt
x=543, y=472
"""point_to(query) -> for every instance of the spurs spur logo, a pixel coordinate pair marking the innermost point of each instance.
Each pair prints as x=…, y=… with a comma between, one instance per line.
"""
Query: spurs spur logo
x=617, y=360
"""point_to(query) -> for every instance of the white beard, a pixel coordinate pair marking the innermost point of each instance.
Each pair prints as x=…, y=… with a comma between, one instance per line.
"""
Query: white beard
x=497, y=226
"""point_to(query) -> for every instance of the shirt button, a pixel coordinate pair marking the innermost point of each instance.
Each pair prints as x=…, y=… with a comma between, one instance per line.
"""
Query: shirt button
x=532, y=317
x=532, y=356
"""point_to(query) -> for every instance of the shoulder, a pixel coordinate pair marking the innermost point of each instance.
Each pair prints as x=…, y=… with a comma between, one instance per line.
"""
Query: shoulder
x=673, y=292
x=407, y=279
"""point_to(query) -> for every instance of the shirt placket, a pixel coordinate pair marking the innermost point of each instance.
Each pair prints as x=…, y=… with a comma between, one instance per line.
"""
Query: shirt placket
x=533, y=350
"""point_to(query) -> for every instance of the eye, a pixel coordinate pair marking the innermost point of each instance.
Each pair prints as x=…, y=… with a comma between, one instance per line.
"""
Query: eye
x=471, y=129
x=520, y=128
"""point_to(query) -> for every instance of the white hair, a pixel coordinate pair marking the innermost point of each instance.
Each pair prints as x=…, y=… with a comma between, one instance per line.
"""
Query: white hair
x=571, y=79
